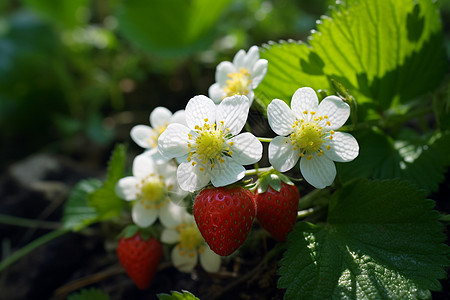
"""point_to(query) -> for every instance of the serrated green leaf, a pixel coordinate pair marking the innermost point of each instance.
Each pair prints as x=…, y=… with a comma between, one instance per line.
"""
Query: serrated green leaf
x=116, y=165
x=186, y=295
x=104, y=200
x=382, y=240
x=385, y=52
x=89, y=294
x=77, y=212
x=420, y=160
x=170, y=27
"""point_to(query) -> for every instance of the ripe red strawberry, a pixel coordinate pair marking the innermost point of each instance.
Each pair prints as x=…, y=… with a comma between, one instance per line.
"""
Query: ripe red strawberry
x=140, y=258
x=277, y=210
x=224, y=217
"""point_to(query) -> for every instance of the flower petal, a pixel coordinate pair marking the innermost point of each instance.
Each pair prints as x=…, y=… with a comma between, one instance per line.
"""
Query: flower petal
x=169, y=236
x=142, y=166
x=282, y=155
x=198, y=109
x=126, y=188
x=280, y=117
x=170, y=215
x=179, y=117
x=226, y=173
x=216, y=93
x=183, y=260
x=337, y=111
x=250, y=95
x=160, y=116
x=343, y=147
x=190, y=177
x=318, y=171
x=173, y=141
x=247, y=149
x=233, y=111
x=304, y=99
x=239, y=59
x=157, y=157
x=141, y=134
x=222, y=71
x=143, y=215
x=259, y=71
x=250, y=58
x=209, y=260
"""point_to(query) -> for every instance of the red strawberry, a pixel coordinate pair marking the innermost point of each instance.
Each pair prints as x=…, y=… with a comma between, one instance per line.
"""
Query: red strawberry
x=224, y=217
x=140, y=258
x=277, y=210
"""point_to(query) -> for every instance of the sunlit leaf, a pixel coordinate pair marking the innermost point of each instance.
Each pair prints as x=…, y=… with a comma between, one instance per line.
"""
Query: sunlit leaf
x=385, y=52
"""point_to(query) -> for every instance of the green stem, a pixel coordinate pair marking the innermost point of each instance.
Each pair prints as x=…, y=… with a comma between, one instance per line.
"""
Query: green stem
x=264, y=140
x=31, y=246
x=16, y=221
x=257, y=171
x=305, y=213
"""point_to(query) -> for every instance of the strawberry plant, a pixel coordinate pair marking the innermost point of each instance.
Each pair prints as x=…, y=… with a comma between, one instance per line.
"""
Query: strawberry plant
x=359, y=133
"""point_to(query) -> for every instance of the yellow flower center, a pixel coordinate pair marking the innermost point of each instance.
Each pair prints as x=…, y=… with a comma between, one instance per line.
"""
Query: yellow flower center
x=309, y=136
x=238, y=83
x=153, y=193
x=209, y=145
x=190, y=237
x=153, y=141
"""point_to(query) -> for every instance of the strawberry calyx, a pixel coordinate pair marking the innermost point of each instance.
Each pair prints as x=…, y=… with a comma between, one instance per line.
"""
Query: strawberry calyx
x=273, y=179
x=146, y=233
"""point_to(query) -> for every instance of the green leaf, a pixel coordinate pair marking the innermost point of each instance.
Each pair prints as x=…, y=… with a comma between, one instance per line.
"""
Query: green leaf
x=105, y=201
x=68, y=14
x=420, y=160
x=385, y=52
x=170, y=27
x=186, y=295
x=89, y=294
x=382, y=240
x=77, y=212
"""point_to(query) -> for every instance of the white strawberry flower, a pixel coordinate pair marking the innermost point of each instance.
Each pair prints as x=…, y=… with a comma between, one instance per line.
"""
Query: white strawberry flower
x=307, y=131
x=239, y=77
x=210, y=145
x=147, y=137
x=190, y=246
x=153, y=188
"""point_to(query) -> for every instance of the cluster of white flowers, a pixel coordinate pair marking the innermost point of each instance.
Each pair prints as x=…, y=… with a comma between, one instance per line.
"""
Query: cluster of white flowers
x=203, y=144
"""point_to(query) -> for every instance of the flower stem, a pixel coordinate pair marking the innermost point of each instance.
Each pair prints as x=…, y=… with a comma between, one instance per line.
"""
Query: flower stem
x=264, y=140
x=31, y=246
x=257, y=171
x=16, y=221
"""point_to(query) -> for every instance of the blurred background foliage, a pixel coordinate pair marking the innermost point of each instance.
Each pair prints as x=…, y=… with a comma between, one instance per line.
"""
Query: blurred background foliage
x=76, y=75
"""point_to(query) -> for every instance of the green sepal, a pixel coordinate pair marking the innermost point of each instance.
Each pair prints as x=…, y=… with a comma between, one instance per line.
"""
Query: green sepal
x=146, y=233
x=272, y=178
